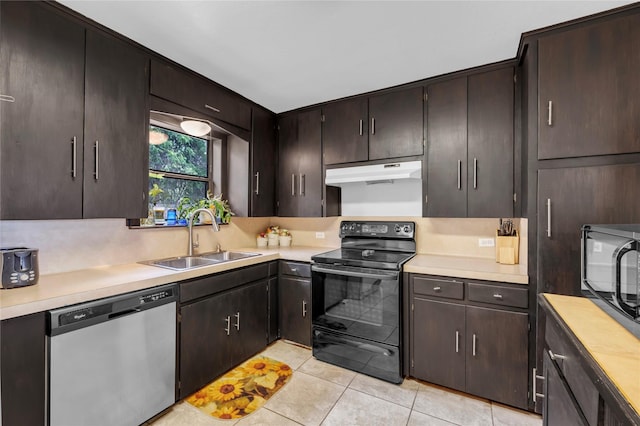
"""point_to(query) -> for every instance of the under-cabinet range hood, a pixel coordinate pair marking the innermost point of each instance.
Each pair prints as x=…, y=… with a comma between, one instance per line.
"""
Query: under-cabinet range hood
x=377, y=173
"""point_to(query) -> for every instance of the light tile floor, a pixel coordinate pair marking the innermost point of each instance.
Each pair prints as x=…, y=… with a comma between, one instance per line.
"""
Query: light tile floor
x=323, y=394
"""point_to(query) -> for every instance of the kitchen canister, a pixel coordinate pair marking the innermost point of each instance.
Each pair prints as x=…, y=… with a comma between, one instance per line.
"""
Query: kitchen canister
x=261, y=241
x=285, y=240
x=272, y=240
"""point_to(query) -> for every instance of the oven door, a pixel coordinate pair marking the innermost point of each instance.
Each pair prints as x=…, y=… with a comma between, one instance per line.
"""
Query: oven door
x=358, y=302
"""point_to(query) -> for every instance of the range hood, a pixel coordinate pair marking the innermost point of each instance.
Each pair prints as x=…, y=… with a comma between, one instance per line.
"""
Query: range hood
x=377, y=173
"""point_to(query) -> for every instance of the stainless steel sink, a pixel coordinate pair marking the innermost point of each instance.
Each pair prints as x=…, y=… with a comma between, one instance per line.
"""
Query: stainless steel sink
x=206, y=259
x=226, y=256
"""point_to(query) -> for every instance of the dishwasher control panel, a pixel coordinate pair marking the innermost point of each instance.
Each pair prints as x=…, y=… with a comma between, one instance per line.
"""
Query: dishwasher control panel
x=154, y=297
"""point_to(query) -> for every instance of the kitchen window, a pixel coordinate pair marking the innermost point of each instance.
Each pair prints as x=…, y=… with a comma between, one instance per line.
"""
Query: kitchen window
x=179, y=167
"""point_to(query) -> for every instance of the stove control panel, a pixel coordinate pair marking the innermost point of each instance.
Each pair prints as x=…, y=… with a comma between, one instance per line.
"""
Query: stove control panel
x=393, y=230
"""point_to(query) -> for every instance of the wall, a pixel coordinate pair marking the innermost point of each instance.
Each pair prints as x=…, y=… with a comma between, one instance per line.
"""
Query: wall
x=67, y=245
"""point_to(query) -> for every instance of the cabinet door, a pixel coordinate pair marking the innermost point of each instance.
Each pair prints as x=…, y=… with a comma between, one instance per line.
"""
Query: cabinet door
x=206, y=347
x=116, y=129
x=295, y=309
x=570, y=198
x=310, y=182
x=288, y=165
x=438, y=343
x=42, y=67
x=560, y=407
x=23, y=370
x=446, y=118
x=249, y=321
x=590, y=77
x=497, y=355
x=395, y=124
x=345, y=130
x=490, y=144
x=263, y=163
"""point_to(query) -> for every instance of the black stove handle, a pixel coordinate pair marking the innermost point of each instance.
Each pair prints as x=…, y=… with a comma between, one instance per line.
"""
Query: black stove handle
x=376, y=275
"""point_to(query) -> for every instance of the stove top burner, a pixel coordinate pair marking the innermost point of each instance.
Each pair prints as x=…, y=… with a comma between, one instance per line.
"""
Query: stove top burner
x=366, y=258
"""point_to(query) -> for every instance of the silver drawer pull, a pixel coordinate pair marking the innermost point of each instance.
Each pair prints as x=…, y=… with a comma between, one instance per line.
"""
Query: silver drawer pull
x=304, y=309
x=497, y=296
x=237, y=315
x=294, y=269
x=437, y=289
x=228, y=328
x=214, y=109
x=556, y=356
x=457, y=341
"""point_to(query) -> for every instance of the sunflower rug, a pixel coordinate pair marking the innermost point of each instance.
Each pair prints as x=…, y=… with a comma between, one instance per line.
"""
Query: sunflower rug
x=242, y=390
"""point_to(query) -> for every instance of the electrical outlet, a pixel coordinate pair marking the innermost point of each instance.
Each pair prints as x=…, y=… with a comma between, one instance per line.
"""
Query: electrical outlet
x=320, y=235
x=486, y=242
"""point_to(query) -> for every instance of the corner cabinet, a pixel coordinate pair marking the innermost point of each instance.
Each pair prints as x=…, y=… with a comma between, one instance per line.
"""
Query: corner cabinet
x=470, y=145
x=223, y=321
x=79, y=120
x=471, y=336
x=385, y=126
x=300, y=181
x=589, y=89
x=263, y=163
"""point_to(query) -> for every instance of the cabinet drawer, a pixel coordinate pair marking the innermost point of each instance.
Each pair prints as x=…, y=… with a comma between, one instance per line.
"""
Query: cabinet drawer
x=199, y=94
x=295, y=268
x=450, y=289
x=499, y=295
x=217, y=283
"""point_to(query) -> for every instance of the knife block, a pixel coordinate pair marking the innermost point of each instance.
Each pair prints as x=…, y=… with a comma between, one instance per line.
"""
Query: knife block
x=507, y=249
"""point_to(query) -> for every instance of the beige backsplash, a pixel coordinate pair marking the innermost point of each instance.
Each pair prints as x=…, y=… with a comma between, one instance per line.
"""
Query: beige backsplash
x=67, y=245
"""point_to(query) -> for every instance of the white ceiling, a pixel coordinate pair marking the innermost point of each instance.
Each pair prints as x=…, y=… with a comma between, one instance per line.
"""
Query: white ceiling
x=289, y=54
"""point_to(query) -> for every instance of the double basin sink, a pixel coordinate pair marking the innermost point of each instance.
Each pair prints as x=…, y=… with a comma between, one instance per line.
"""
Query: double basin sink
x=182, y=263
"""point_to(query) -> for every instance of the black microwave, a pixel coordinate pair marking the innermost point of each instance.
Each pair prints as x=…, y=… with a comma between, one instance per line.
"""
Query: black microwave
x=611, y=266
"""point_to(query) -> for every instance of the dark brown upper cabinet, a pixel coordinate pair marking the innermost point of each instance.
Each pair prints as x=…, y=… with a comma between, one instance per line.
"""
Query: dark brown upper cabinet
x=42, y=67
x=115, y=129
x=383, y=126
x=74, y=142
x=470, y=143
x=263, y=163
x=589, y=89
x=300, y=164
x=199, y=94
x=345, y=129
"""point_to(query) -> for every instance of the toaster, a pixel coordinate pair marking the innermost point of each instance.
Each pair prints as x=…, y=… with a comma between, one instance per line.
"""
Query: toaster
x=18, y=266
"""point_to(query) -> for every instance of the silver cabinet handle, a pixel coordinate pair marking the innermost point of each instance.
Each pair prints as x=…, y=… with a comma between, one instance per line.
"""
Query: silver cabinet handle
x=475, y=173
x=459, y=174
x=361, y=127
x=556, y=356
x=7, y=98
x=304, y=309
x=97, y=161
x=473, y=346
x=257, y=191
x=301, y=184
x=550, y=117
x=74, y=156
x=237, y=315
x=214, y=109
x=437, y=289
x=497, y=296
x=457, y=341
x=228, y=327
x=303, y=180
x=373, y=126
x=294, y=269
x=534, y=386
x=549, y=217
x=293, y=184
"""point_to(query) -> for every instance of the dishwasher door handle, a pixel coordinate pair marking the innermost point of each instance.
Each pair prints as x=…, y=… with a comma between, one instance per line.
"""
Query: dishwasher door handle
x=123, y=313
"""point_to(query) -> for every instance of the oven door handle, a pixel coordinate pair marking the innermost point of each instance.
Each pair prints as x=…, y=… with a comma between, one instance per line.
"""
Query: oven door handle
x=316, y=268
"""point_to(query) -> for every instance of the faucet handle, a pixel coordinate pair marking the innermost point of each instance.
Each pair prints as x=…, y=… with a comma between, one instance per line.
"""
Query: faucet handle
x=218, y=248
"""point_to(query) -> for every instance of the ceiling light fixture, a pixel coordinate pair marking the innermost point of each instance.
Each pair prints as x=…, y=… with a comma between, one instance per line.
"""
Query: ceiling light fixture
x=157, y=138
x=195, y=127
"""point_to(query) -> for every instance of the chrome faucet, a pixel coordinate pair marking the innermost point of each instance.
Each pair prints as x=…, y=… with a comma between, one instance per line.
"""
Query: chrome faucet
x=216, y=228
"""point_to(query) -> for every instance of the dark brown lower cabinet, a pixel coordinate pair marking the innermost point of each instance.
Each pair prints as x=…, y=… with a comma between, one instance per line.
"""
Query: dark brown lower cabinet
x=295, y=302
x=464, y=343
x=220, y=332
x=560, y=406
x=22, y=371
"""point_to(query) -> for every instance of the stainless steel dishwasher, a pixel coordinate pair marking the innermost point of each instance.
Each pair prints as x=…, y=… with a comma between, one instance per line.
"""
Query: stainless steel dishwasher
x=112, y=361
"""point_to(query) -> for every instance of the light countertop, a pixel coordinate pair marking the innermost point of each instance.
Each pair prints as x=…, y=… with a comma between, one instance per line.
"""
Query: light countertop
x=467, y=267
x=613, y=347
x=68, y=288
